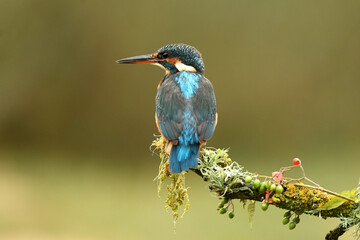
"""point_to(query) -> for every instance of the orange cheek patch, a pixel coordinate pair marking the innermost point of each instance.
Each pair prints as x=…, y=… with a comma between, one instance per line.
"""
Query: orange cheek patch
x=172, y=61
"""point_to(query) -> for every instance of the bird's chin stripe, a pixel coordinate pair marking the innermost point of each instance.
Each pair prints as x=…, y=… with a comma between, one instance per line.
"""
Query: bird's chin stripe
x=183, y=67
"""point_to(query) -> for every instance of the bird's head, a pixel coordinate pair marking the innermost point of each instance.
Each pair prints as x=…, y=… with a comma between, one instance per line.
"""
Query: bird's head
x=173, y=58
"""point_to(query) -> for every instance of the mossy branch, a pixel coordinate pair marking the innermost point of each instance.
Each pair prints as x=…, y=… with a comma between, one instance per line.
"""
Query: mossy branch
x=228, y=180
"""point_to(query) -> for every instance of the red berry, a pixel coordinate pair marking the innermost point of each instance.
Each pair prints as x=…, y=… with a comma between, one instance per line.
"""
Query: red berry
x=296, y=161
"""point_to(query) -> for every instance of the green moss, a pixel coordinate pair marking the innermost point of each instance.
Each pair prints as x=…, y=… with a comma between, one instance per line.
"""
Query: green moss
x=159, y=147
x=177, y=193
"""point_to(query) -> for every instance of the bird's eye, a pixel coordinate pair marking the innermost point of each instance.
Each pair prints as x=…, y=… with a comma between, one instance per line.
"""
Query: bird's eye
x=163, y=55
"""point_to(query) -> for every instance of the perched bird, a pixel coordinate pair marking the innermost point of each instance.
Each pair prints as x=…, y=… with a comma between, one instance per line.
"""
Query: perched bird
x=185, y=103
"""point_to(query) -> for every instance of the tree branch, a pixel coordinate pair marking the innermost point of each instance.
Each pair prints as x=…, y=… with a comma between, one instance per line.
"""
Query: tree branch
x=296, y=197
x=230, y=181
x=336, y=233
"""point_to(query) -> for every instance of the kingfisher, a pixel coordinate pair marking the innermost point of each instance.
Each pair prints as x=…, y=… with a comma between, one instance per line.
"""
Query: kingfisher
x=186, y=113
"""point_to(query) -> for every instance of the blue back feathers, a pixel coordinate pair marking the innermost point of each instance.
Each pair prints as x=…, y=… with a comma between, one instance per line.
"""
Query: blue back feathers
x=186, y=112
x=188, y=83
x=184, y=155
x=188, y=134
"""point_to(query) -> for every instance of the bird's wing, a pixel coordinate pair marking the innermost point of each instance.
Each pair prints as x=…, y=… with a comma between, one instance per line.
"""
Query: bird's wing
x=204, y=109
x=170, y=106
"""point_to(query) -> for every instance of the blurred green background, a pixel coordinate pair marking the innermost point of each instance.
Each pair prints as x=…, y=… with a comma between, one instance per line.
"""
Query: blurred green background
x=75, y=127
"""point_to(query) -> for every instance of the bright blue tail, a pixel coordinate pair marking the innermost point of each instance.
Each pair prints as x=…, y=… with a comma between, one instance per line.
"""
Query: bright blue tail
x=183, y=157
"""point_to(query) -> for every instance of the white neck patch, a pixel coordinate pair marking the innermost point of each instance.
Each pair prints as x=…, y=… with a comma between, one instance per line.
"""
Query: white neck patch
x=183, y=67
x=179, y=66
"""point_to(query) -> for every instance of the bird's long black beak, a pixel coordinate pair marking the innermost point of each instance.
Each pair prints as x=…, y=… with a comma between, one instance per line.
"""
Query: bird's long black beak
x=143, y=59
